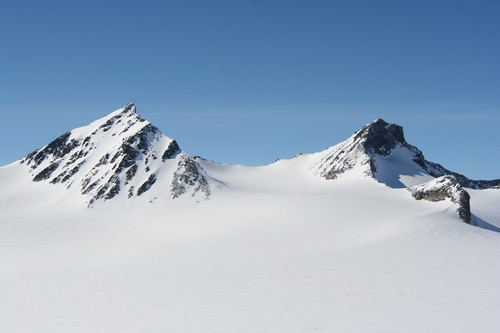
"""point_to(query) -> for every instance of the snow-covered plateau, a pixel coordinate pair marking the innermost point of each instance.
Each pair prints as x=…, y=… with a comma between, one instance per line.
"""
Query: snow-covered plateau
x=112, y=227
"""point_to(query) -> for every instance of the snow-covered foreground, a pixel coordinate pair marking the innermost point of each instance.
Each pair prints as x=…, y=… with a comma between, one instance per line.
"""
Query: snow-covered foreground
x=277, y=251
x=113, y=228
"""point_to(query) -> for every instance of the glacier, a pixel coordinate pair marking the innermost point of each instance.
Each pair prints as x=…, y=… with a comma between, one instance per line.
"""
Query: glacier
x=112, y=227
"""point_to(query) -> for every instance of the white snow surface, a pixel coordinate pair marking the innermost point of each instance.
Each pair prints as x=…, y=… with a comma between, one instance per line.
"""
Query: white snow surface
x=275, y=249
x=398, y=169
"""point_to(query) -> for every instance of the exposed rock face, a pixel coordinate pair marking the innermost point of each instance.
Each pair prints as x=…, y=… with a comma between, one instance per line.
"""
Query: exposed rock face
x=380, y=138
x=442, y=188
x=172, y=149
x=119, y=154
x=189, y=176
x=147, y=184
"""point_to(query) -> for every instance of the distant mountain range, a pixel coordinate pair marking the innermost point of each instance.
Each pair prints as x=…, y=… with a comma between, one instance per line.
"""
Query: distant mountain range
x=124, y=156
x=112, y=227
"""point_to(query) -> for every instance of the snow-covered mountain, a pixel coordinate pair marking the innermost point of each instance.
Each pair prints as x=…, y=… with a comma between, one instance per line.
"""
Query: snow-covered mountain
x=116, y=156
x=113, y=228
x=381, y=150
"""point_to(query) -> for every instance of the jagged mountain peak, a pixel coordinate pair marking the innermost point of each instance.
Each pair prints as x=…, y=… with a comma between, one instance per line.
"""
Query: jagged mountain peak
x=119, y=155
x=130, y=108
x=380, y=151
x=376, y=138
x=129, y=111
x=380, y=137
x=121, y=121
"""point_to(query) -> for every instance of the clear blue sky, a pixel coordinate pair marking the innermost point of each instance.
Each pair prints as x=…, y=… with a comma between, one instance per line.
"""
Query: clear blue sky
x=251, y=81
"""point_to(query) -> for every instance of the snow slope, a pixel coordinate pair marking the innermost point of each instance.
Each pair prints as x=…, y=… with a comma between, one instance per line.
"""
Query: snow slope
x=276, y=248
x=119, y=156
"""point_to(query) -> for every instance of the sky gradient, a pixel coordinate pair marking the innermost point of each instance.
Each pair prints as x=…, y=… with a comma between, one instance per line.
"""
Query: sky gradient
x=252, y=81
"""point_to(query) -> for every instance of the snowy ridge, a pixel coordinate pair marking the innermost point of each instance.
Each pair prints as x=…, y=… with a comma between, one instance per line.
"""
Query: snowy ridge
x=341, y=158
x=380, y=151
x=120, y=155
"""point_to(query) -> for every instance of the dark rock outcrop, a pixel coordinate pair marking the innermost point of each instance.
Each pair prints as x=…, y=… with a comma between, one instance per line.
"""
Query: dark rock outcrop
x=442, y=188
x=46, y=173
x=172, y=149
x=147, y=184
x=380, y=137
x=189, y=175
x=58, y=148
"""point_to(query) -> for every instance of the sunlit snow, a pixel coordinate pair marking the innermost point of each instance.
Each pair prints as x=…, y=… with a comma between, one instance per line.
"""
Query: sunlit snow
x=275, y=248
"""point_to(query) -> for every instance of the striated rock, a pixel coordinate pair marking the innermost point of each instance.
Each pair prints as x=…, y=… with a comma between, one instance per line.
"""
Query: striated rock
x=147, y=184
x=442, y=188
x=171, y=151
x=46, y=173
x=58, y=148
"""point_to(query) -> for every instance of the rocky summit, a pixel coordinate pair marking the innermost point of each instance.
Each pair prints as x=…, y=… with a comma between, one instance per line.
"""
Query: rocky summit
x=121, y=154
x=378, y=145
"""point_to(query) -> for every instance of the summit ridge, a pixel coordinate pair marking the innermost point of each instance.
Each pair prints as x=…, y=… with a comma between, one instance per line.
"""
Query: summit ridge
x=381, y=151
x=119, y=154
